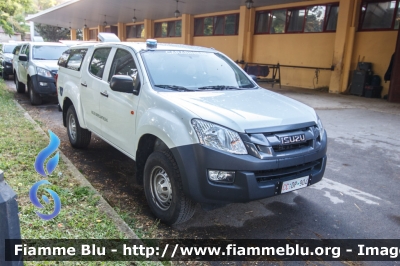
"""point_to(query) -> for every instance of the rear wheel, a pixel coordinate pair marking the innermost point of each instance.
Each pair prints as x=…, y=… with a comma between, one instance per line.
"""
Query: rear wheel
x=163, y=189
x=33, y=96
x=78, y=137
x=19, y=85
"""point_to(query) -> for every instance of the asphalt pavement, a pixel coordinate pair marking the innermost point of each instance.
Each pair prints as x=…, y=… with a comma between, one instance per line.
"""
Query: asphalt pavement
x=358, y=197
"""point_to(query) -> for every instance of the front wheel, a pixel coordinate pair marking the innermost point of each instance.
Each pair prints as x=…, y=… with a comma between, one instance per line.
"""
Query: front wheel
x=163, y=189
x=33, y=96
x=78, y=137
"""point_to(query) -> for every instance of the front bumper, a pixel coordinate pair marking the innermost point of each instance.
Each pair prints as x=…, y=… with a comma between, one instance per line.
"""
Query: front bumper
x=44, y=86
x=7, y=68
x=254, y=178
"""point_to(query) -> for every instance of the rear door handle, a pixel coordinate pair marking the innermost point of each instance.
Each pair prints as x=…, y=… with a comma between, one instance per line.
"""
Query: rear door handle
x=84, y=84
x=104, y=93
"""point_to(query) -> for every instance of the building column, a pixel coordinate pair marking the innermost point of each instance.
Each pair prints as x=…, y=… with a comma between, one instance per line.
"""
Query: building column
x=73, y=34
x=245, y=33
x=101, y=28
x=85, y=32
x=344, y=40
x=187, y=29
x=121, y=31
x=148, y=29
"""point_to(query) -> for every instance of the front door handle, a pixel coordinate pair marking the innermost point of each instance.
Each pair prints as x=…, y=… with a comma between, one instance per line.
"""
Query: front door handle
x=84, y=84
x=104, y=93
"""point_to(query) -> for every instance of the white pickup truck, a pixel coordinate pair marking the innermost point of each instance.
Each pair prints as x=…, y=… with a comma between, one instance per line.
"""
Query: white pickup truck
x=36, y=68
x=199, y=128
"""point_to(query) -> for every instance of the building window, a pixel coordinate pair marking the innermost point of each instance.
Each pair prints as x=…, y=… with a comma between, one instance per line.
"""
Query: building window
x=278, y=18
x=379, y=15
x=216, y=25
x=93, y=34
x=321, y=18
x=332, y=12
x=168, y=29
x=135, y=31
x=315, y=19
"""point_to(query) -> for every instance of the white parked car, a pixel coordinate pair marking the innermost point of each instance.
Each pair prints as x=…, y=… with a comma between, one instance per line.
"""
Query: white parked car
x=199, y=128
x=36, y=68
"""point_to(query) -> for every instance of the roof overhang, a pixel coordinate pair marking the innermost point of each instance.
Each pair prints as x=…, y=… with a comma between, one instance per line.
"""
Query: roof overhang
x=74, y=13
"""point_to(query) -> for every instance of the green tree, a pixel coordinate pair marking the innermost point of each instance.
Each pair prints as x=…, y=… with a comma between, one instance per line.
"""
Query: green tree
x=8, y=8
x=52, y=33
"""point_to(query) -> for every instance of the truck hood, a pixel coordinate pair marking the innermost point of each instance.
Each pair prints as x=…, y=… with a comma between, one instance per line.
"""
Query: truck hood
x=8, y=55
x=245, y=109
x=47, y=64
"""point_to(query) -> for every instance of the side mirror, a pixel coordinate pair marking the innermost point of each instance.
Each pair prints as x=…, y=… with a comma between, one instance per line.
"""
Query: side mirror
x=253, y=77
x=23, y=57
x=123, y=83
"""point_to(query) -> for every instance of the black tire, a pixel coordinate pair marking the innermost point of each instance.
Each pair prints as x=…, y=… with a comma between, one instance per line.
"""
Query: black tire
x=78, y=137
x=33, y=96
x=163, y=189
x=19, y=85
x=4, y=75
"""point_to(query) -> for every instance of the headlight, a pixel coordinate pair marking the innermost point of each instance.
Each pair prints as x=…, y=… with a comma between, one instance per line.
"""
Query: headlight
x=43, y=72
x=321, y=128
x=218, y=137
x=8, y=60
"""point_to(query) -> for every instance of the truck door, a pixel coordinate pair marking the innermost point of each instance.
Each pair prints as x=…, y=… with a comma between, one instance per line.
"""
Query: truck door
x=119, y=107
x=23, y=66
x=92, y=82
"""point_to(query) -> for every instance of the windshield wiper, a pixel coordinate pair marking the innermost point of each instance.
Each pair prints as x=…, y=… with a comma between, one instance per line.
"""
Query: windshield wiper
x=40, y=59
x=219, y=87
x=173, y=87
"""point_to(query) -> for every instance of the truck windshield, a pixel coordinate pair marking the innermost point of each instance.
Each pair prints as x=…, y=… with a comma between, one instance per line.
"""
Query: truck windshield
x=194, y=71
x=47, y=52
x=8, y=48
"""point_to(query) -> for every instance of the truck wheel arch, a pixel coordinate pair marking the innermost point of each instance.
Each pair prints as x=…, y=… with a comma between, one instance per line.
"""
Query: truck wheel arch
x=66, y=104
x=147, y=144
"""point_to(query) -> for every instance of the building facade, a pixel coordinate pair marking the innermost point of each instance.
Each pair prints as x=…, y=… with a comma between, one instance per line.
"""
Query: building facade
x=317, y=43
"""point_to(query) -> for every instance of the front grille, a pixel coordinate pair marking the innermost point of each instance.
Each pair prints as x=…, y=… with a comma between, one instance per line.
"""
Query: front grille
x=304, y=169
x=281, y=148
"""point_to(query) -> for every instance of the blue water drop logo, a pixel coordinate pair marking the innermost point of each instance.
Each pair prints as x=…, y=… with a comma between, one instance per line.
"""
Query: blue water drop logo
x=34, y=199
x=45, y=153
x=50, y=166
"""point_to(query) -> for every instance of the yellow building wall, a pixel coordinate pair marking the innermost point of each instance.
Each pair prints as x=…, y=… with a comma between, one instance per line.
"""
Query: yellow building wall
x=226, y=44
x=376, y=47
x=306, y=49
x=176, y=40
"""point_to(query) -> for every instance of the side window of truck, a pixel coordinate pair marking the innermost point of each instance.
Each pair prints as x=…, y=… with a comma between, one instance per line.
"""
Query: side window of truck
x=27, y=51
x=62, y=61
x=16, y=49
x=123, y=64
x=23, y=49
x=99, y=61
x=76, y=58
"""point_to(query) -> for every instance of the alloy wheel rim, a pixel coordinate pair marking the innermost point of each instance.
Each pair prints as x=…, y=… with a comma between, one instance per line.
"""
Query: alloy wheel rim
x=160, y=187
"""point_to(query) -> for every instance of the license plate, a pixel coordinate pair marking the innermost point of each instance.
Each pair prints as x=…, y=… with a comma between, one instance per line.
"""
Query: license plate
x=294, y=184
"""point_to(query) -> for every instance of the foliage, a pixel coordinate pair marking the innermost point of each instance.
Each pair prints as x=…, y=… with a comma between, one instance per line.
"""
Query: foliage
x=52, y=33
x=9, y=8
x=80, y=215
